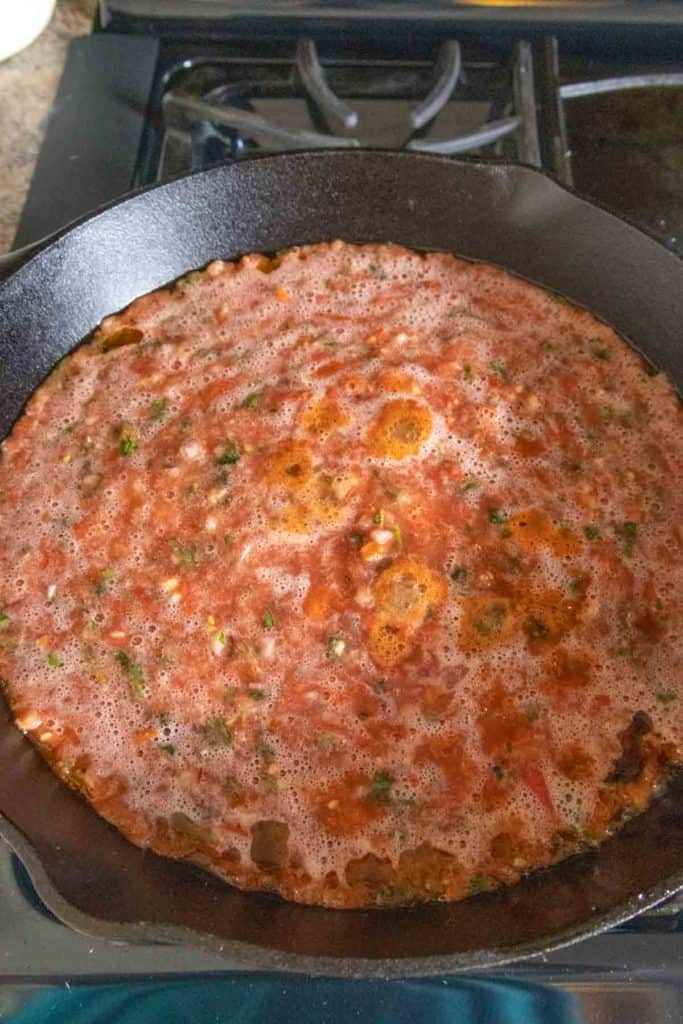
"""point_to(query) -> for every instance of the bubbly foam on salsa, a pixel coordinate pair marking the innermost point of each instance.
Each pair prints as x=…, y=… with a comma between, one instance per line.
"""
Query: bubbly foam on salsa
x=353, y=574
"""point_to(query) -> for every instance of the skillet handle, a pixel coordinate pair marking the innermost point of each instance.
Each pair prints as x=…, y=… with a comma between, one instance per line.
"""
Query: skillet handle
x=11, y=261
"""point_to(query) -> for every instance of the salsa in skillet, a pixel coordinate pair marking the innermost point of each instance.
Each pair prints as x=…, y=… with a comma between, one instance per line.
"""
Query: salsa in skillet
x=352, y=574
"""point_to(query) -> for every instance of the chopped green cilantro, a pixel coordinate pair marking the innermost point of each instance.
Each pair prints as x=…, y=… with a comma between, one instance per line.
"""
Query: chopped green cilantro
x=459, y=575
x=216, y=731
x=535, y=629
x=667, y=696
x=256, y=693
x=252, y=400
x=230, y=455
x=127, y=445
x=499, y=368
x=470, y=484
x=4, y=620
x=268, y=619
x=629, y=531
x=591, y=532
x=467, y=372
x=187, y=554
x=167, y=748
x=496, y=516
x=265, y=751
x=479, y=883
x=498, y=772
x=54, y=660
x=602, y=353
x=101, y=586
x=407, y=431
x=492, y=619
x=133, y=671
x=378, y=518
x=548, y=346
x=380, y=787
x=158, y=408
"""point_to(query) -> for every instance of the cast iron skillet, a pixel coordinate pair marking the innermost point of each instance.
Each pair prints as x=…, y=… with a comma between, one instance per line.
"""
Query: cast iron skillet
x=85, y=872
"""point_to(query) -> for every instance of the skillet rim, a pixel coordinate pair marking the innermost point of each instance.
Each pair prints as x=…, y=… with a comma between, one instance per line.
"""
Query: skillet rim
x=263, y=958
x=14, y=261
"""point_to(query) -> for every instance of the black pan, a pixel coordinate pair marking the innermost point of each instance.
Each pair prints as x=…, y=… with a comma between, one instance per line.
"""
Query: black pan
x=517, y=217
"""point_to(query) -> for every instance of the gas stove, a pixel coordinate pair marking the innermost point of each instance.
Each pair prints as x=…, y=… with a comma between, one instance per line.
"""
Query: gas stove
x=591, y=92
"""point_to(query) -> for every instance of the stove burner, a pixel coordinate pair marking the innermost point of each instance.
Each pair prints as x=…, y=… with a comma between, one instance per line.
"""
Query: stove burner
x=221, y=122
x=213, y=111
x=524, y=122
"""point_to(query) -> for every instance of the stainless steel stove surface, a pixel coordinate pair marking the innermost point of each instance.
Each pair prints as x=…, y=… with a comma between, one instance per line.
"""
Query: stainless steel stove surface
x=590, y=92
x=50, y=973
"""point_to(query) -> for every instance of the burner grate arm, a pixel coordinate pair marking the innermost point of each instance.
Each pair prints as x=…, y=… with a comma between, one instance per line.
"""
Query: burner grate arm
x=449, y=65
x=254, y=125
x=312, y=75
x=491, y=132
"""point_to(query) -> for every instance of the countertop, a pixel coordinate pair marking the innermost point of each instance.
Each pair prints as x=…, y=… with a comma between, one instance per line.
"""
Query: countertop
x=28, y=82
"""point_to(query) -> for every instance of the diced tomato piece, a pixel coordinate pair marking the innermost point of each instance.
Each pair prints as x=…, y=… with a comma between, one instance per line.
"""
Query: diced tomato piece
x=569, y=383
x=532, y=776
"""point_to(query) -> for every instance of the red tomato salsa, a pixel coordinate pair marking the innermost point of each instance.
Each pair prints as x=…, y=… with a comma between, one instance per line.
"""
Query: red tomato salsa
x=353, y=574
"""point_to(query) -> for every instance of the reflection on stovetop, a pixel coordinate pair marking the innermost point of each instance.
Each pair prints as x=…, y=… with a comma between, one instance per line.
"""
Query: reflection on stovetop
x=50, y=974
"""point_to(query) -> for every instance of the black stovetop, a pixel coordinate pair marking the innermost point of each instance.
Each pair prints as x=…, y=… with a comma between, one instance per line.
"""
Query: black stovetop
x=150, y=95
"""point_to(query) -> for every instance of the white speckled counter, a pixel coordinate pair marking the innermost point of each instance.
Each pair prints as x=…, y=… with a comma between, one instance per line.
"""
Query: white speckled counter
x=27, y=86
